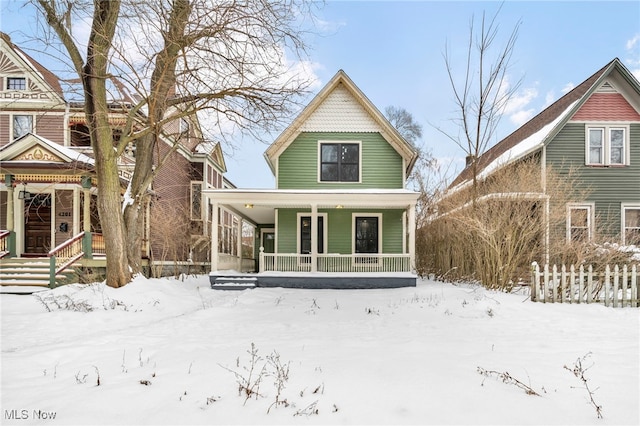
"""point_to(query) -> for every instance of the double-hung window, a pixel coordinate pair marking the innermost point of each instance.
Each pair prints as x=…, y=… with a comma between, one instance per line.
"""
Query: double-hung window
x=607, y=145
x=22, y=124
x=339, y=162
x=631, y=225
x=579, y=222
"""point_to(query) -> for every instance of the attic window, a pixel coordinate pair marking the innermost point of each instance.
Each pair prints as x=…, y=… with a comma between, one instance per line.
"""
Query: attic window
x=16, y=83
x=607, y=145
x=339, y=162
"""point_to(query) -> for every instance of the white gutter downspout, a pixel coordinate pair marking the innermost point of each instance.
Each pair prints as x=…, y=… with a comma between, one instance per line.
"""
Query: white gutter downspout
x=214, y=236
x=547, y=206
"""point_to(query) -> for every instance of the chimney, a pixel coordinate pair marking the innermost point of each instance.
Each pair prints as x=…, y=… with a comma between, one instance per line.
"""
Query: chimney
x=469, y=159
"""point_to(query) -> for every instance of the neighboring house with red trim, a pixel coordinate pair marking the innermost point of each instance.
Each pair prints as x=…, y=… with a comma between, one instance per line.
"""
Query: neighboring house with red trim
x=593, y=130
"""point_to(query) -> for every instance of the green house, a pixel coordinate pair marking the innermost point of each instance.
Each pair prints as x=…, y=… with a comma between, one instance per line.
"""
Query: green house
x=341, y=216
x=592, y=132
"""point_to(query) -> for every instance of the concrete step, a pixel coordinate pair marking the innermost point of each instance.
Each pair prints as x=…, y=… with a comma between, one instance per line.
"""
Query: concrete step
x=234, y=283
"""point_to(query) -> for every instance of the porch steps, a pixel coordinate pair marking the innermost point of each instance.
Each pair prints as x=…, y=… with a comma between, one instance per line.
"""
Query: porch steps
x=29, y=272
x=234, y=283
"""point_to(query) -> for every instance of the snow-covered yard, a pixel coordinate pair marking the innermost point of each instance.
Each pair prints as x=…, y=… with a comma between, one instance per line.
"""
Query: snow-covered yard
x=175, y=352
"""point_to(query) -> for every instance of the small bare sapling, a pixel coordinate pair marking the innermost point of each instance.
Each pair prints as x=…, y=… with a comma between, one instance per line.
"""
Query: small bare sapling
x=280, y=374
x=579, y=370
x=308, y=410
x=508, y=379
x=249, y=380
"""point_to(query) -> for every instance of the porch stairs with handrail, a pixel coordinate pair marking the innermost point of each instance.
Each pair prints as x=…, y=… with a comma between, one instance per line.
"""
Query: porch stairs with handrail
x=49, y=271
x=27, y=272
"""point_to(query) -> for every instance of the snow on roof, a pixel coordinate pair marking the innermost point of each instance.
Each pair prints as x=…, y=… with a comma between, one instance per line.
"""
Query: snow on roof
x=522, y=148
x=527, y=145
x=65, y=151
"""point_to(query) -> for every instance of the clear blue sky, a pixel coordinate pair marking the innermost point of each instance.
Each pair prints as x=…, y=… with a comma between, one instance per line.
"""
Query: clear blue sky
x=393, y=51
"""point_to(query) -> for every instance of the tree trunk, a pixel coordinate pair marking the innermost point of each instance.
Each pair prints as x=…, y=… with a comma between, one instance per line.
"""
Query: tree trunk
x=134, y=212
x=163, y=80
x=94, y=77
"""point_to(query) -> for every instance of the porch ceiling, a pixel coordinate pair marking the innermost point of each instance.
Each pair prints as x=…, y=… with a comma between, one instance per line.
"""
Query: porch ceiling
x=259, y=206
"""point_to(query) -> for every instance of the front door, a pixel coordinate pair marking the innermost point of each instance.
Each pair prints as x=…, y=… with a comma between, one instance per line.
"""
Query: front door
x=269, y=241
x=37, y=224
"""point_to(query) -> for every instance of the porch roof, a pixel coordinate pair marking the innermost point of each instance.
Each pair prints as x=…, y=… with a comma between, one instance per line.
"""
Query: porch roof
x=258, y=205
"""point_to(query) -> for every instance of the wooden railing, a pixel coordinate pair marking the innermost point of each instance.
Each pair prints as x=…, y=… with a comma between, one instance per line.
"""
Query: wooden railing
x=617, y=286
x=64, y=255
x=97, y=245
x=293, y=262
x=4, y=243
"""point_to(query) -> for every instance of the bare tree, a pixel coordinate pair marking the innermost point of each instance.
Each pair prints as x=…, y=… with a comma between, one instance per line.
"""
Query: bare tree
x=185, y=57
x=484, y=90
x=422, y=176
x=404, y=123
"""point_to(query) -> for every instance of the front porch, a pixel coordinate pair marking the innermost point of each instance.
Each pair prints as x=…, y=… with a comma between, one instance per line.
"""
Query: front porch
x=349, y=239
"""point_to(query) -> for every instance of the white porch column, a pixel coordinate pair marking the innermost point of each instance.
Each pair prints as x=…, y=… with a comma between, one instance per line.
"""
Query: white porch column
x=314, y=238
x=214, y=236
x=411, y=224
x=239, y=244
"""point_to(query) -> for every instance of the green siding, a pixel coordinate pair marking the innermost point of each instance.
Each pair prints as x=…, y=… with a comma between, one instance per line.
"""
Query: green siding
x=608, y=186
x=339, y=231
x=381, y=164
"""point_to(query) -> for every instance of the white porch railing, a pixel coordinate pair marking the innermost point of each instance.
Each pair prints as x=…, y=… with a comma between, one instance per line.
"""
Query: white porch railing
x=293, y=262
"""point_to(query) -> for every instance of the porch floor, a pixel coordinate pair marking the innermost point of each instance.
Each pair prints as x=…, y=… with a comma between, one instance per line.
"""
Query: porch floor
x=318, y=280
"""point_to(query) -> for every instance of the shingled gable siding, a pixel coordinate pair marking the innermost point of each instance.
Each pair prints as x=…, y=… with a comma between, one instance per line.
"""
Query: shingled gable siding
x=609, y=186
x=340, y=234
x=298, y=164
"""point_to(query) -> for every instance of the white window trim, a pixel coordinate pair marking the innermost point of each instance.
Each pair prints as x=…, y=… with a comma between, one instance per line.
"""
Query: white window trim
x=325, y=229
x=606, y=143
x=33, y=123
x=319, y=166
x=353, y=231
x=268, y=231
x=624, y=207
x=590, y=207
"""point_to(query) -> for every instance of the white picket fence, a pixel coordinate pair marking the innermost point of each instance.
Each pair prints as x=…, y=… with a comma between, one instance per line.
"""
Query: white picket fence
x=617, y=286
